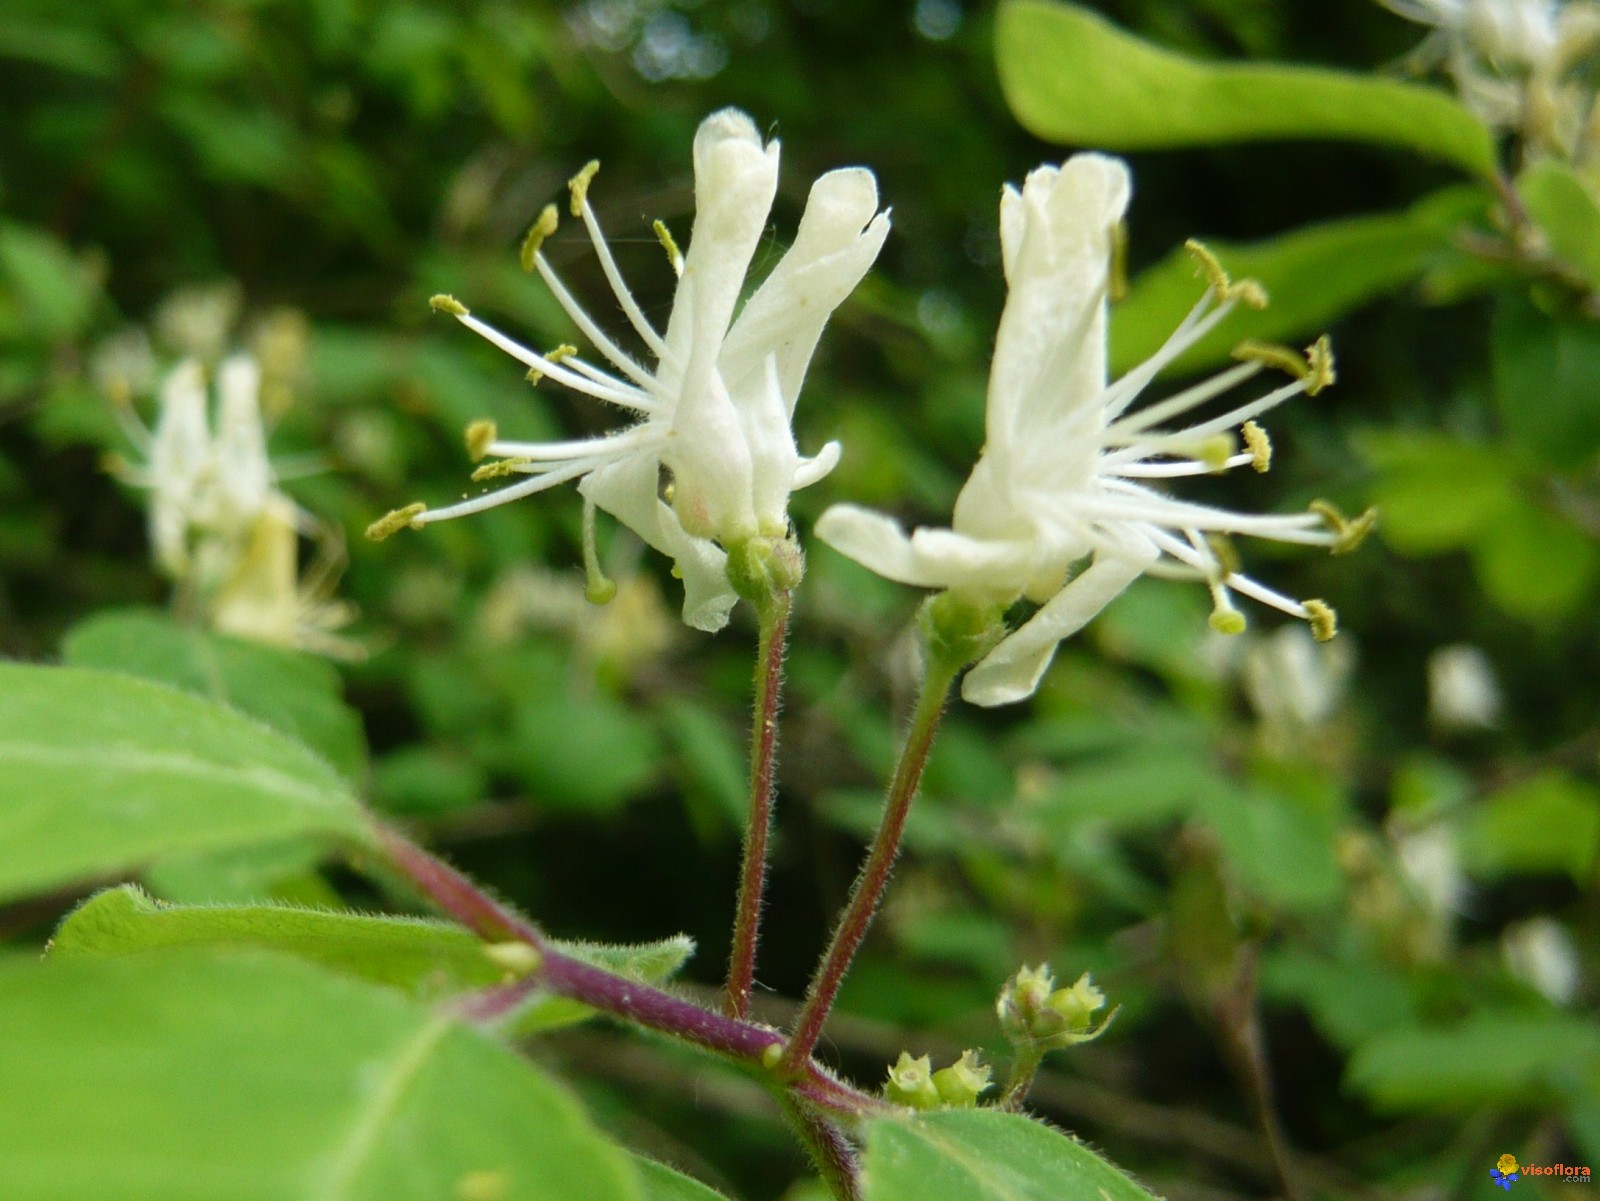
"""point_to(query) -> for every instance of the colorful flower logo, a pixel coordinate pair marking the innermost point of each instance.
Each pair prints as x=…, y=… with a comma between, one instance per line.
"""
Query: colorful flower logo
x=1504, y=1172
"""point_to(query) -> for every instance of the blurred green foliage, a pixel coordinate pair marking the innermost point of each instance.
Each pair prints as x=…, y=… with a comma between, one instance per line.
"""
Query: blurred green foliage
x=1268, y=852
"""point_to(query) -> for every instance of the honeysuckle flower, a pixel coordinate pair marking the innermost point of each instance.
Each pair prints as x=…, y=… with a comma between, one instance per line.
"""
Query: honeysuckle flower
x=1462, y=690
x=1506, y=56
x=714, y=411
x=219, y=526
x=1070, y=470
x=1541, y=953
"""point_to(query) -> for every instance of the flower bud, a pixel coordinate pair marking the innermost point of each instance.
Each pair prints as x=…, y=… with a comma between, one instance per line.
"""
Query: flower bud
x=963, y=1082
x=911, y=1084
x=1035, y=1013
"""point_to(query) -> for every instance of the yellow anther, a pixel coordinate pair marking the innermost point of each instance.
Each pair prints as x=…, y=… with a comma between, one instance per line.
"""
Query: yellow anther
x=1247, y=292
x=480, y=435
x=579, y=184
x=559, y=354
x=599, y=588
x=1350, y=532
x=447, y=304
x=1215, y=451
x=1319, y=365
x=1259, y=446
x=1227, y=621
x=1117, y=287
x=1270, y=354
x=518, y=958
x=1324, y=621
x=664, y=236
x=499, y=469
x=549, y=219
x=392, y=523
x=1225, y=553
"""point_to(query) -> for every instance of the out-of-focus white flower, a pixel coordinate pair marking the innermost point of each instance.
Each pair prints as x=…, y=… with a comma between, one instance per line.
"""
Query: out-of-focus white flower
x=1070, y=471
x=1542, y=954
x=715, y=411
x=1462, y=690
x=1291, y=678
x=197, y=321
x=1431, y=865
x=219, y=526
x=1497, y=50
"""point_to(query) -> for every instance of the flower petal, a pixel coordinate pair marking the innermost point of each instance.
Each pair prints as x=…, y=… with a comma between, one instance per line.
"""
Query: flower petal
x=1011, y=671
x=926, y=559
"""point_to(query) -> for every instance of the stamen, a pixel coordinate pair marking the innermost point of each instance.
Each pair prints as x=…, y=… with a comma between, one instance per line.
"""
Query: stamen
x=559, y=355
x=1226, y=554
x=1319, y=359
x=585, y=323
x=1247, y=292
x=499, y=469
x=619, y=286
x=392, y=523
x=600, y=588
x=480, y=435
x=664, y=236
x=447, y=304
x=549, y=220
x=579, y=185
x=1324, y=621
x=1225, y=618
x=489, y=500
x=1269, y=354
x=1215, y=452
x=1349, y=532
x=1117, y=281
x=1259, y=446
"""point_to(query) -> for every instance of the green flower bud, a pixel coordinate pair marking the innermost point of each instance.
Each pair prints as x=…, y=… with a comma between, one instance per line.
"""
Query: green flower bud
x=963, y=1081
x=911, y=1084
x=1035, y=1013
x=762, y=568
x=1076, y=1005
x=959, y=629
x=1022, y=999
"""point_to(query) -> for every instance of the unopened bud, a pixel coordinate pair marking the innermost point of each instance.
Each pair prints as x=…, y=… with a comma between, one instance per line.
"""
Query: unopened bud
x=963, y=1082
x=911, y=1084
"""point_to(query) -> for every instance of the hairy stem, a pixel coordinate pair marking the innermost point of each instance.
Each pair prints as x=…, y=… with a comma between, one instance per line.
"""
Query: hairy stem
x=1023, y=1070
x=758, y=828
x=751, y=1045
x=832, y=1153
x=874, y=875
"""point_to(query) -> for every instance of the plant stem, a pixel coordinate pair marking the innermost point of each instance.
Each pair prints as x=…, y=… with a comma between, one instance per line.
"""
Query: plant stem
x=1023, y=1070
x=557, y=972
x=874, y=874
x=758, y=827
x=832, y=1153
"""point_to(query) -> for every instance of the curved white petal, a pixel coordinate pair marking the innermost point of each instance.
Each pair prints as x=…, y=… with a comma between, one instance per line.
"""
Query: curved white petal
x=809, y=471
x=929, y=558
x=1012, y=670
x=244, y=474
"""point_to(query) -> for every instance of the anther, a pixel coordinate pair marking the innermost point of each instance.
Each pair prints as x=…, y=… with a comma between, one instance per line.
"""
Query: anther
x=480, y=434
x=559, y=354
x=1270, y=354
x=1259, y=446
x=1319, y=365
x=1323, y=620
x=499, y=469
x=392, y=523
x=1117, y=287
x=664, y=236
x=600, y=588
x=1349, y=533
x=579, y=185
x=1247, y=292
x=447, y=304
x=548, y=221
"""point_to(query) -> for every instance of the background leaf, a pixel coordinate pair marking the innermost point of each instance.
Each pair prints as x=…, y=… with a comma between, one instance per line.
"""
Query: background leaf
x=185, y=1077
x=982, y=1155
x=1072, y=77
x=102, y=774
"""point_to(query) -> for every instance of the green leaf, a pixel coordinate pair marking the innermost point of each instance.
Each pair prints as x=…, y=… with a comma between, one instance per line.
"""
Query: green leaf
x=1566, y=212
x=102, y=774
x=1495, y=1059
x=1281, y=849
x=586, y=753
x=1550, y=823
x=1070, y=76
x=1536, y=564
x=425, y=958
x=295, y=694
x=1546, y=378
x=661, y=1183
x=1313, y=276
x=982, y=1155
x=184, y=1077
x=52, y=292
x=1437, y=493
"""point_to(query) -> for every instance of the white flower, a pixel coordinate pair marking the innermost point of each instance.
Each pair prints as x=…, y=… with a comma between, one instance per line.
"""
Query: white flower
x=1292, y=680
x=1542, y=954
x=1512, y=33
x=1462, y=691
x=715, y=410
x=219, y=526
x=1067, y=472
